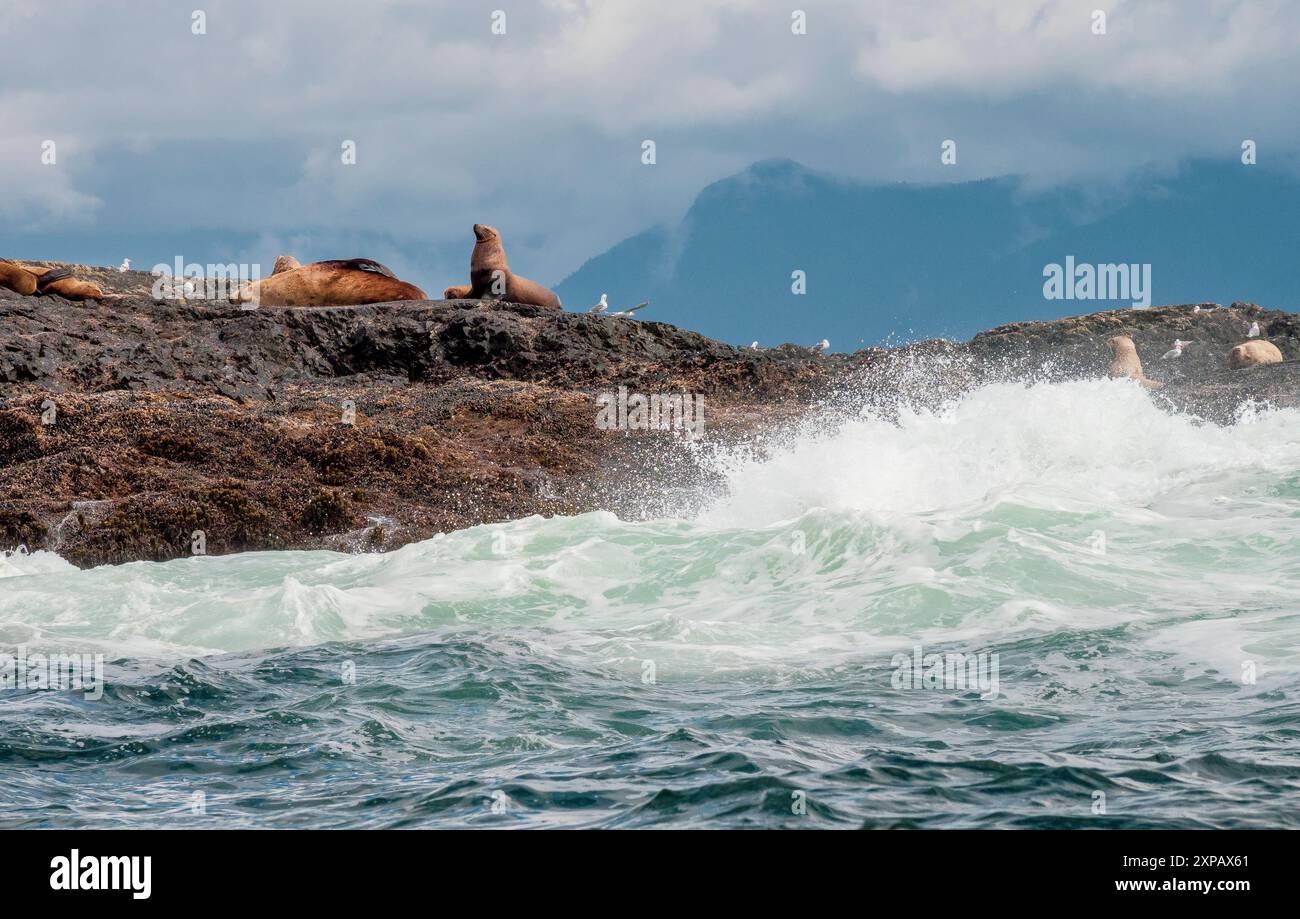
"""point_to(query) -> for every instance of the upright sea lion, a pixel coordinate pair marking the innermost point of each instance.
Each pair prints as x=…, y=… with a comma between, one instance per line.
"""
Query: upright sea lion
x=1250, y=353
x=33, y=279
x=339, y=282
x=1127, y=363
x=490, y=277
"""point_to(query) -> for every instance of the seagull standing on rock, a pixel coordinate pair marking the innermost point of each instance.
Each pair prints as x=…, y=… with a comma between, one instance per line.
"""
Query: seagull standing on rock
x=125, y=266
x=601, y=306
x=753, y=346
x=821, y=347
x=1253, y=331
x=1177, y=351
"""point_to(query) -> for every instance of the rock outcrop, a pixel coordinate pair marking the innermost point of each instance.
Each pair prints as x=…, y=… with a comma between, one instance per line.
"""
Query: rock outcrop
x=128, y=427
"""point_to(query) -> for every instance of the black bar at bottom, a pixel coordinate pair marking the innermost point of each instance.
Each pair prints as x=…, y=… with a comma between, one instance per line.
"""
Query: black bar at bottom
x=335, y=868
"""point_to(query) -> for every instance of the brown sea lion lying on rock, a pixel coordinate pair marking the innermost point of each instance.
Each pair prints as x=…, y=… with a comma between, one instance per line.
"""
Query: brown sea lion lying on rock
x=31, y=279
x=1250, y=353
x=1127, y=363
x=341, y=282
x=19, y=279
x=490, y=277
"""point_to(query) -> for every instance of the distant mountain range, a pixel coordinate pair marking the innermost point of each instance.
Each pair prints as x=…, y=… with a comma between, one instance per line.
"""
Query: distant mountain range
x=890, y=263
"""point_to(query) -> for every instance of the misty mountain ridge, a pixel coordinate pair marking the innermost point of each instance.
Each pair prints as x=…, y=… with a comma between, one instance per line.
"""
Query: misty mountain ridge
x=897, y=262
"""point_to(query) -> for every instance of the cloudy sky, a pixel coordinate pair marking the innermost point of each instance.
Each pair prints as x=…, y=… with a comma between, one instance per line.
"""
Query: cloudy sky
x=226, y=146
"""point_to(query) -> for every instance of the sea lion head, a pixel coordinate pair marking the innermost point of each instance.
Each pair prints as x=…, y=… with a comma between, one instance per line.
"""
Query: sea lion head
x=1121, y=344
x=1256, y=351
x=484, y=233
x=285, y=263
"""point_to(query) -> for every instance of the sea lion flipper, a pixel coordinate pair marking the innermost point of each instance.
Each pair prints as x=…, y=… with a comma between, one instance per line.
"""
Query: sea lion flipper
x=368, y=264
x=49, y=277
x=360, y=264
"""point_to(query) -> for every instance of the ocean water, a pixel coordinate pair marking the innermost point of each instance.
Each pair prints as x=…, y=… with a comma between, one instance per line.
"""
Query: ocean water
x=1122, y=584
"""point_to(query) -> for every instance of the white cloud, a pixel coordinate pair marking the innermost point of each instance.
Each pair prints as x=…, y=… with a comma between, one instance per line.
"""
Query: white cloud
x=39, y=195
x=539, y=130
x=998, y=48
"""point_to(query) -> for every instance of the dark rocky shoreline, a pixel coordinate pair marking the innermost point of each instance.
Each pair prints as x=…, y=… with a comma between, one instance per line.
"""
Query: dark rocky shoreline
x=174, y=417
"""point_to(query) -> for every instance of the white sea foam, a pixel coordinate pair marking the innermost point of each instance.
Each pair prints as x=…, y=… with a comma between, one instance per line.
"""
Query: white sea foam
x=1081, y=445
x=965, y=528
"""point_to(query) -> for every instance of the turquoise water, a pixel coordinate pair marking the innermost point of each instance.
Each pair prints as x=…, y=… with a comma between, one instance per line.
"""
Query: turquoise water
x=1136, y=573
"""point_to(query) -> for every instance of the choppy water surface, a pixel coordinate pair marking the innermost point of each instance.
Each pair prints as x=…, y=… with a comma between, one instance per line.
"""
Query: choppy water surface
x=1136, y=573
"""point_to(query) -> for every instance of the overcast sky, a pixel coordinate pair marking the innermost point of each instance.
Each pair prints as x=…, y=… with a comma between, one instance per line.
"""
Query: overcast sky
x=231, y=140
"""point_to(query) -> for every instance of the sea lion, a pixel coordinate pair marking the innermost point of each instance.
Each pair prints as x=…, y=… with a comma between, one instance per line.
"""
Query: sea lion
x=60, y=281
x=1250, y=353
x=459, y=292
x=1127, y=363
x=17, y=278
x=339, y=282
x=32, y=279
x=490, y=277
x=285, y=263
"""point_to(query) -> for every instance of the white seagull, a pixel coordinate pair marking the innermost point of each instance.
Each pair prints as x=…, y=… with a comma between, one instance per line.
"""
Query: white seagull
x=821, y=347
x=601, y=306
x=624, y=314
x=1177, y=351
x=1253, y=331
x=125, y=266
x=753, y=346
